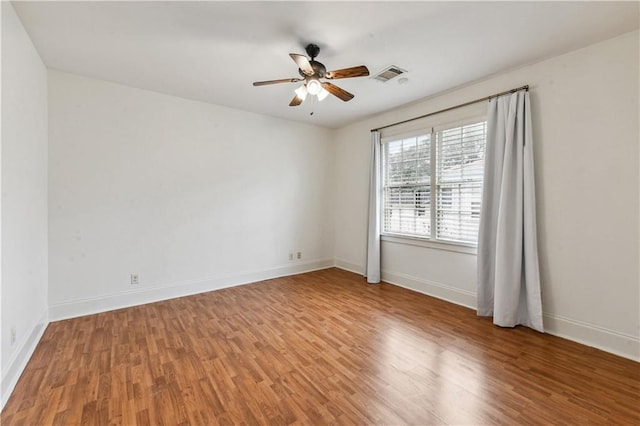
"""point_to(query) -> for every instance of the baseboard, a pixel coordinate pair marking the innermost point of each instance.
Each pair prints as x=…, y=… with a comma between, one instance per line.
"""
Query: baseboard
x=601, y=338
x=591, y=335
x=349, y=266
x=94, y=305
x=431, y=288
x=20, y=358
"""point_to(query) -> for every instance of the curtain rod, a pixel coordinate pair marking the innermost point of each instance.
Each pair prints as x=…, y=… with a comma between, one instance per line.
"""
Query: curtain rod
x=486, y=98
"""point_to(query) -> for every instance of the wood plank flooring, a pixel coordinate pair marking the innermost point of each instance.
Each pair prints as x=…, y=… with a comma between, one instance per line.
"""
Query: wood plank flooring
x=317, y=348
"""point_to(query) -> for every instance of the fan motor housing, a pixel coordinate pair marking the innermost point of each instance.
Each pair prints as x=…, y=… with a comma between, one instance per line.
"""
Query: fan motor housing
x=319, y=70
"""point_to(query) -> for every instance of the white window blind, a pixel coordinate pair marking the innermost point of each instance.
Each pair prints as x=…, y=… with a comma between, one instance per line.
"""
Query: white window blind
x=407, y=186
x=455, y=177
x=459, y=171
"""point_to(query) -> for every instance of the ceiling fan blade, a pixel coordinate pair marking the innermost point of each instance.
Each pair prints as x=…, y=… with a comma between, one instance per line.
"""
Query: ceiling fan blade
x=295, y=101
x=284, y=80
x=360, y=71
x=303, y=63
x=338, y=92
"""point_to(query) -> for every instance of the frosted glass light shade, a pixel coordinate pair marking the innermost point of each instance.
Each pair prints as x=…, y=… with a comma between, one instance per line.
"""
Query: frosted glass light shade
x=323, y=94
x=301, y=92
x=314, y=87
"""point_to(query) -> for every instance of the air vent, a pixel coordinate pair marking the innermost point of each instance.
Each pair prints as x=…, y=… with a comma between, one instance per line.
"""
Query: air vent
x=389, y=73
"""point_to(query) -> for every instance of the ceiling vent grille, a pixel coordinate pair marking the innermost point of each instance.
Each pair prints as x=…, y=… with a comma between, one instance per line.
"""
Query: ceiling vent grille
x=389, y=73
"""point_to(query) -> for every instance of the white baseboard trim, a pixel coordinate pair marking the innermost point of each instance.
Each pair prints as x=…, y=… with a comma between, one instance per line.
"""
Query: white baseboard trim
x=21, y=357
x=595, y=336
x=94, y=305
x=349, y=266
x=431, y=288
x=587, y=334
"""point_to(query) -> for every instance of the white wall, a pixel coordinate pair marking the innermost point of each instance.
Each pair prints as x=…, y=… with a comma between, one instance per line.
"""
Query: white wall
x=188, y=195
x=24, y=198
x=585, y=117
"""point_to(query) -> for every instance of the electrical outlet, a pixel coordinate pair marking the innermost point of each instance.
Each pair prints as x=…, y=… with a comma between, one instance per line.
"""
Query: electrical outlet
x=299, y=255
x=13, y=335
x=135, y=279
x=290, y=256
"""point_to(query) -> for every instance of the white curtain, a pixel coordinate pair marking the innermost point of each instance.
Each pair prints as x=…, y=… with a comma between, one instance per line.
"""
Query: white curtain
x=508, y=274
x=373, y=235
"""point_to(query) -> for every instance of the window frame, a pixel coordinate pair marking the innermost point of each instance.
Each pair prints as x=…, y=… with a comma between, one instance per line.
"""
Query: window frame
x=417, y=240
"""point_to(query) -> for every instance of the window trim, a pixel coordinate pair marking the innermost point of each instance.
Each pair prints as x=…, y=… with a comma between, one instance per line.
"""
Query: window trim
x=411, y=240
x=416, y=240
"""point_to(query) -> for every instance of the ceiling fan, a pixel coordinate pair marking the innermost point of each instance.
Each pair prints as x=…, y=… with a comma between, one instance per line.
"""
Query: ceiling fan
x=311, y=72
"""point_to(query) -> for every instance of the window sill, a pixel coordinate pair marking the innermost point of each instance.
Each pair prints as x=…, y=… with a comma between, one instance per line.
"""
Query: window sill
x=420, y=242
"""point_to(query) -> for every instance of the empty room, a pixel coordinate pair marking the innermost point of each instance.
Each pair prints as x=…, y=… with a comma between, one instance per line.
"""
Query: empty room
x=381, y=213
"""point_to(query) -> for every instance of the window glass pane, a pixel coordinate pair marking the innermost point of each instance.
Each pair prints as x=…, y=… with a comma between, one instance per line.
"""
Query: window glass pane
x=406, y=192
x=409, y=148
x=423, y=161
x=409, y=171
x=460, y=168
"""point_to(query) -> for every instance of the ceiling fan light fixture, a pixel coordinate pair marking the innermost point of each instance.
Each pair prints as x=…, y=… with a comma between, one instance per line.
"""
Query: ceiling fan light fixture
x=323, y=94
x=301, y=92
x=313, y=86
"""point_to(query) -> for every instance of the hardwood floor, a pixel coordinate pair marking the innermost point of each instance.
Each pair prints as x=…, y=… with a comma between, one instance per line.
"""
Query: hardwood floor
x=317, y=348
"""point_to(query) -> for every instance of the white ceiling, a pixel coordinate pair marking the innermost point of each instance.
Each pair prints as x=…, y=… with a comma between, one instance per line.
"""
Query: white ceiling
x=213, y=51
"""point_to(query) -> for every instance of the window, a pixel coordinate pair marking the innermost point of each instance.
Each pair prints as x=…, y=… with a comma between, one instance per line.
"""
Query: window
x=447, y=162
x=407, y=186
